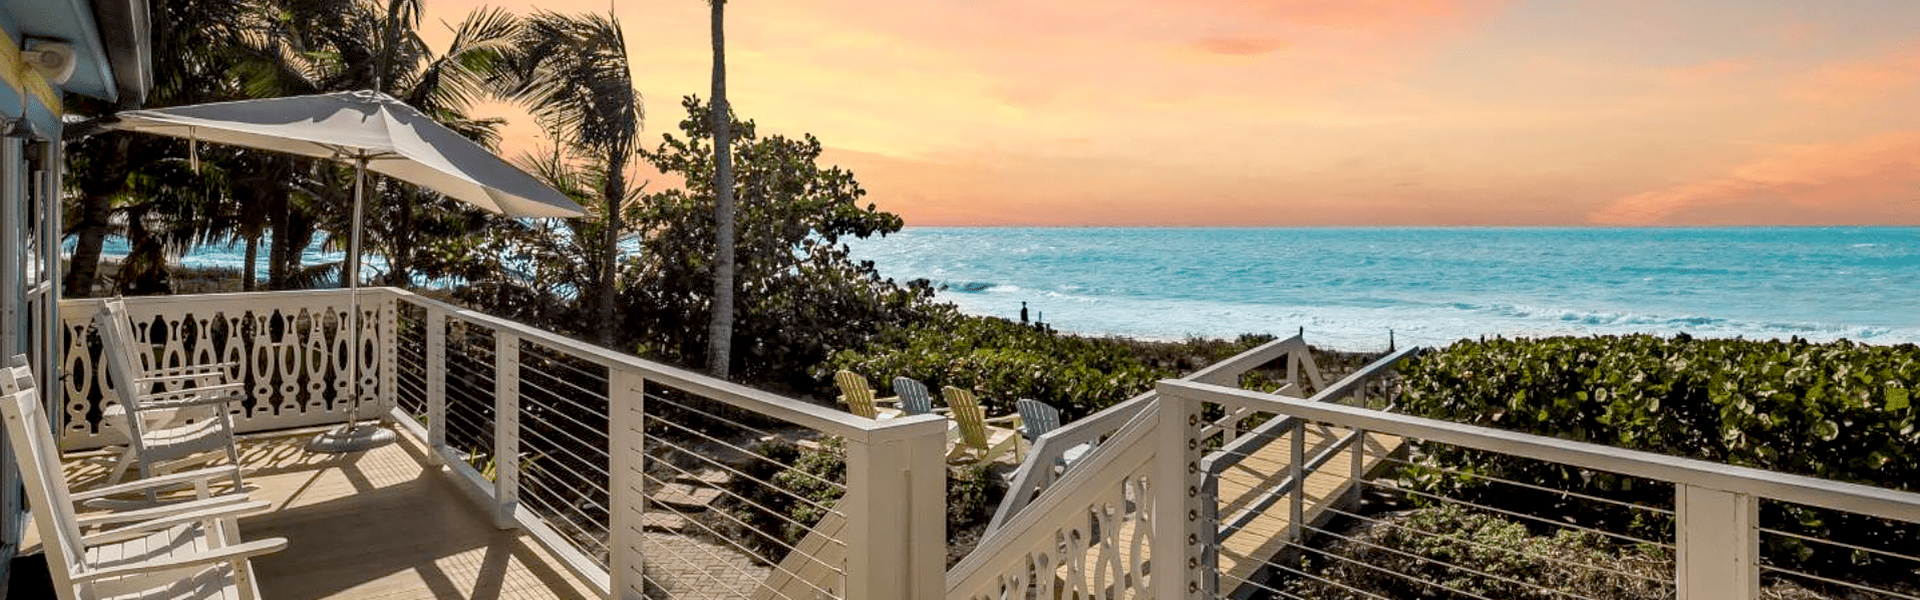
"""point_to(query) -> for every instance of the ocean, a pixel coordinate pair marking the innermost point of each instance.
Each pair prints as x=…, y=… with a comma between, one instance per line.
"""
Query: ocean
x=1349, y=287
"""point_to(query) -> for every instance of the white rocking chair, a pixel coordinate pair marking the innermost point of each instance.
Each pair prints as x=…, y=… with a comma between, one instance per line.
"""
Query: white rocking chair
x=163, y=419
x=177, y=551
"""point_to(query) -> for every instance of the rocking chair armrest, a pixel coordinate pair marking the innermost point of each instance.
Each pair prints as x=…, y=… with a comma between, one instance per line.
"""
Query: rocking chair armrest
x=200, y=396
x=156, y=512
x=151, y=525
x=193, y=476
x=212, y=557
x=192, y=369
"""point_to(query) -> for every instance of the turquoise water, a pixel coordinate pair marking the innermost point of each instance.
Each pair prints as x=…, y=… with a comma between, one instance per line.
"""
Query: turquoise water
x=1349, y=287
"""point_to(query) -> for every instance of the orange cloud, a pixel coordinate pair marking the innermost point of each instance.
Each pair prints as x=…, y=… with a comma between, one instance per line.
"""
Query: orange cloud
x=1238, y=46
x=1870, y=180
x=1853, y=82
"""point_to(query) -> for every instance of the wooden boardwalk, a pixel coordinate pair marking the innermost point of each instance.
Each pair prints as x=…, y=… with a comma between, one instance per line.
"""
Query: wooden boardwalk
x=1241, y=485
x=378, y=525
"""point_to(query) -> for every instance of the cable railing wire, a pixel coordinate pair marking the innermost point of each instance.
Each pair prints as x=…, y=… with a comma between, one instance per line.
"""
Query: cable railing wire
x=729, y=541
x=1828, y=580
x=1541, y=488
x=1454, y=566
x=1841, y=544
x=783, y=544
x=756, y=456
x=777, y=513
x=1439, y=498
x=1484, y=546
x=651, y=397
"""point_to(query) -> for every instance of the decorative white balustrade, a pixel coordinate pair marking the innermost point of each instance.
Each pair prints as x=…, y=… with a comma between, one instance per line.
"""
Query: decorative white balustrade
x=290, y=350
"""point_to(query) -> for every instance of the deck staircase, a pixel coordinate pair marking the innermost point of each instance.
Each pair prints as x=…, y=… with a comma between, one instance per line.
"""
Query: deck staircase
x=1089, y=524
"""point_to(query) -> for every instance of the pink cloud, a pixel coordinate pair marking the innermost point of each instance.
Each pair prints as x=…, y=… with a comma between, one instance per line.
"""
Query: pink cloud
x=1874, y=179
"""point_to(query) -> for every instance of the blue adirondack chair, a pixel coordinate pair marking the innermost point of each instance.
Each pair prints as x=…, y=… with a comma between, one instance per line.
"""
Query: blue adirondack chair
x=1037, y=418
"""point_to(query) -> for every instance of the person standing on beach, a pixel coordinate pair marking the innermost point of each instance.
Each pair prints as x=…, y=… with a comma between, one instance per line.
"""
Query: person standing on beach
x=1023, y=313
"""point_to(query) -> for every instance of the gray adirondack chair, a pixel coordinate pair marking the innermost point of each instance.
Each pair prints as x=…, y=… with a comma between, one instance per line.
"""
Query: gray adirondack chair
x=1037, y=418
x=914, y=397
x=164, y=419
x=184, y=550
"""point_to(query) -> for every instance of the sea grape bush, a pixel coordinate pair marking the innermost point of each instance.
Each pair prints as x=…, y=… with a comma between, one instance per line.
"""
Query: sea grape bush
x=1838, y=410
x=1002, y=361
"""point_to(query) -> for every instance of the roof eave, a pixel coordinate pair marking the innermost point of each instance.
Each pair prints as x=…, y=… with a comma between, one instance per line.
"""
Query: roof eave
x=126, y=32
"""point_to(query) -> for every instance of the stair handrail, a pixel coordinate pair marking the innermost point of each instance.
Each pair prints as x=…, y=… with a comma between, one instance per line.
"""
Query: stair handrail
x=1037, y=472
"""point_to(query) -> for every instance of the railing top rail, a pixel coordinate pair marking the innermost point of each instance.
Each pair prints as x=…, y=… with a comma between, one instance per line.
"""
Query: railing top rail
x=1228, y=371
x=150, y=302
x=1811, y=491
x=821, y=418
x=1245, y=445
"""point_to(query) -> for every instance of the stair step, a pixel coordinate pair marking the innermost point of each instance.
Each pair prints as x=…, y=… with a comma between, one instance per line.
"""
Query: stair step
x=708, y=478
x=664, y=520
x=684, y=496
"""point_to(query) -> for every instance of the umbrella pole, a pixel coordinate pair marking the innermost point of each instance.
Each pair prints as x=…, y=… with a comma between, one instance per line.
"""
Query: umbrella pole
x=349, y=437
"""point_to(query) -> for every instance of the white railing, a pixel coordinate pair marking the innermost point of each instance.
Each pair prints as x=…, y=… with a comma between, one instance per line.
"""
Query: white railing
x=1091, y=536
x=596, y=454
x=1710, y=530
x=291, y=349
x=1045, y=463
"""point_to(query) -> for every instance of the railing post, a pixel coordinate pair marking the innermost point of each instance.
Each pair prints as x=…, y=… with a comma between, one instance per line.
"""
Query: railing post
x=1357, y=472
x=436, y=359
x=506, y=427
x=1297, y=473
x=896, y=512
x=1717, y=543
x=626, y=438
x=389, y=351
x=1177, y=537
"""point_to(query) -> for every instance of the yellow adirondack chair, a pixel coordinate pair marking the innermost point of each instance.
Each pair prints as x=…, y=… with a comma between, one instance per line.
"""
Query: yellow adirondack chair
x=859, y=397
x=980, y=440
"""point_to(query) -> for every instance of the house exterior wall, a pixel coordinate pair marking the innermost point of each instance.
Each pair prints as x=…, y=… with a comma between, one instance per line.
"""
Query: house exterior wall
x=30, y=161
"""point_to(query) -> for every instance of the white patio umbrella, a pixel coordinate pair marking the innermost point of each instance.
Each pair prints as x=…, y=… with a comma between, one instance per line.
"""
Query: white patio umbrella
x=374, y=132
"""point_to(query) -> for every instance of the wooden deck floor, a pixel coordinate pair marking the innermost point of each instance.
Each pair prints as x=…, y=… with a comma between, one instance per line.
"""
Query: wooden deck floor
x=377, y=525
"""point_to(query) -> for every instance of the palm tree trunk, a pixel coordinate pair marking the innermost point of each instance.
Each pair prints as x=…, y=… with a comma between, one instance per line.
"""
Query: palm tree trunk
x=614, y=190
x=253, y=260
x=96, y=211
x=280, y=210
x=720, y=331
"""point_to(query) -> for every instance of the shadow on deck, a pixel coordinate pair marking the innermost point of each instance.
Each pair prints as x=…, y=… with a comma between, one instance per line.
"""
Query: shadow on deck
x=374, y=524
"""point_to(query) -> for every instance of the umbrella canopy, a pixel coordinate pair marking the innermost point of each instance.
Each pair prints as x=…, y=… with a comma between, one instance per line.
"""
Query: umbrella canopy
x=391, y=138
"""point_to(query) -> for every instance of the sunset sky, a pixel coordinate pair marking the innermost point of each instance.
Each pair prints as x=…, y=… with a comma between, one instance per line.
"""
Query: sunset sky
x=1316, y=112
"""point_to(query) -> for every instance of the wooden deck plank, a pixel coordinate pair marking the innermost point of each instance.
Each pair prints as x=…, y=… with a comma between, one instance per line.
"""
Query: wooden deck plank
x=377, y=525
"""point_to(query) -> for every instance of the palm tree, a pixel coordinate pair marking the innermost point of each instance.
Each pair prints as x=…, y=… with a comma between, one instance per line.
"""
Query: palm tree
x=333, y=45
x=720, y=331
x=575, y=78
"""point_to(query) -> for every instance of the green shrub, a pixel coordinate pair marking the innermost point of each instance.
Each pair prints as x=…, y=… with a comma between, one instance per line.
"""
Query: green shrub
x=1001, y=361
x=1432, y=544
x=1834, y=410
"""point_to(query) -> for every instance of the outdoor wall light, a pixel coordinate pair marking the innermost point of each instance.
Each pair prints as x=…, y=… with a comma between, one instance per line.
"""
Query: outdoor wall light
x=53, y=59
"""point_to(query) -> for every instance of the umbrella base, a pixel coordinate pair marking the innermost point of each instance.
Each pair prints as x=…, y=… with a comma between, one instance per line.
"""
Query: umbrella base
x=352, y=438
